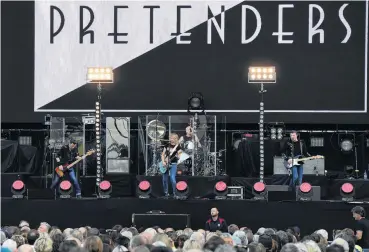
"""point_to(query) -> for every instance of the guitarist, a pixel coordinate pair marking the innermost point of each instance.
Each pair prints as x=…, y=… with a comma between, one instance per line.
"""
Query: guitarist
x=170, y=157
x=68, y=154
x=295, y=148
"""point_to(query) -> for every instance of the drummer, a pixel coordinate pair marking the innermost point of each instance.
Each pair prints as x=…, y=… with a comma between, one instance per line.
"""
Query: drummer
x=187, y=140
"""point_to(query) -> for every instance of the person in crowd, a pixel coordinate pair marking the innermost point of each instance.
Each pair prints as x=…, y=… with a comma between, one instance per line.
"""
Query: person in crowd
x=216, y=223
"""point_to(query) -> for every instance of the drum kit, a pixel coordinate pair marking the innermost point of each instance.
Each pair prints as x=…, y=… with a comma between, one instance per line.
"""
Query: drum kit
x=196, y=158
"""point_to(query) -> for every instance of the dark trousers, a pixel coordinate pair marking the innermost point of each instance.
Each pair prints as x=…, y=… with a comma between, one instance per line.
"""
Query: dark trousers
x=72, y=176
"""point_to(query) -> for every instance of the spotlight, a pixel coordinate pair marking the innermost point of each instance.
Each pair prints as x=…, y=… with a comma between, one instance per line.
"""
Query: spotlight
x=346, y=142
x=105, y=189
x=182, y=190
x=262, y=74
x=144, y=189
x=100, y=75
x=220, y=190
x=259, y=191
x=347, y=192
x=65, y=189
x=196, y=103
x=305, y=192
x=280, y=133
x=18, y=189
x=346, y=145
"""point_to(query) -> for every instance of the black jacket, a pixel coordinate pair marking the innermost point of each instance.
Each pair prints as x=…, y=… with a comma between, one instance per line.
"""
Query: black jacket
x=66, y=156
x=289, y=152
x=220, y=224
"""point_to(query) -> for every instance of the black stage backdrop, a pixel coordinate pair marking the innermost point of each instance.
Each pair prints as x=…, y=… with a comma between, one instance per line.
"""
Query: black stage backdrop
x=322, y=78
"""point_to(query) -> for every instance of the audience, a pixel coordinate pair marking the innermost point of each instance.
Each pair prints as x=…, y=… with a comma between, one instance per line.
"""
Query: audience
x=156, y=239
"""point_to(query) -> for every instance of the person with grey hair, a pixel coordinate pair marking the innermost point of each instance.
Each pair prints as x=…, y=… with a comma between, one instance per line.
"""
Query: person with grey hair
x=232, y=228
x=199, y=237
x=25, y=248
x=312, y=246
x=76, y=234
x=136, y=241
x=342, y=243
x=191, y=244
x=44, y=227
x=43, y=244
x=10, y=244
x=255, y=247
x=290, y=247
x=20, y=240
x=301, y=247
x=225, y=248
x=242, y=236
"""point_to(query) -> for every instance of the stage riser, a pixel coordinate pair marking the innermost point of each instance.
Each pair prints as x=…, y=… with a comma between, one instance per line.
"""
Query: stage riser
x=309, y=216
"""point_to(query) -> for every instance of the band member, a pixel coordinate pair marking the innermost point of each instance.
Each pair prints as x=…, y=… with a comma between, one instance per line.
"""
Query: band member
x=295, y=148
x=170, y=156
x=187, y=140
x=68, y=154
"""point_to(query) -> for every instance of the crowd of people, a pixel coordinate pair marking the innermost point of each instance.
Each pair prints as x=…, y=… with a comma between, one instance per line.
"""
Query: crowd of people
x=216, y=237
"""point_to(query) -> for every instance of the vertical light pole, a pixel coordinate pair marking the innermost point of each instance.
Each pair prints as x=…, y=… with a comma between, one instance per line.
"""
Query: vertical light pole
x=99, y=75
x=262, y=75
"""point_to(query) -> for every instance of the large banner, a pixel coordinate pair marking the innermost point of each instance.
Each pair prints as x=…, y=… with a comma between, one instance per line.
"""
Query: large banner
x=162, y=51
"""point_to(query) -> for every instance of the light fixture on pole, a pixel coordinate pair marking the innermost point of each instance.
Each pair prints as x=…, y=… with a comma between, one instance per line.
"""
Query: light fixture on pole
x=261, y=75
x=99, y=75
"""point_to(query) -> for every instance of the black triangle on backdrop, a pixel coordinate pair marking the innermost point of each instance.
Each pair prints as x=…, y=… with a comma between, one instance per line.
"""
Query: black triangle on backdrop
x=316, y=73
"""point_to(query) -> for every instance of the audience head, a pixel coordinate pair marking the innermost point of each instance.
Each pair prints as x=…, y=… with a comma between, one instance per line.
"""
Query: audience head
x=93, y=244
x=43, y=244
x=25, y=248
x=67, y=246
x=10, y=244
x=44, y=227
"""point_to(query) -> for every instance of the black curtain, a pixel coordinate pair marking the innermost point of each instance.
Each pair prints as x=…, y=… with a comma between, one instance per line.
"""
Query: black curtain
x=17, y=158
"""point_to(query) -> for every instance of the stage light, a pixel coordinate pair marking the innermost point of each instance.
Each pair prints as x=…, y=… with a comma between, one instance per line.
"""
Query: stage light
x=259, y=74
x=280, y=133
x=305, y=192
x=347, y=192
x=220, y=190
x=196, y=103
x=144, y=189
x=18, y=189
x=65, y=189
x=105, y=189
x=182, y=190
x=346, y=142
x=316, y=141
x=100, y=75
x=259, y=191
x=346, y=145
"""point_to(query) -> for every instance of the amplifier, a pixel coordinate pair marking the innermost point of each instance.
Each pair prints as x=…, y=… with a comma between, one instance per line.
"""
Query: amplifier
x=311, y=167
x=235, y=192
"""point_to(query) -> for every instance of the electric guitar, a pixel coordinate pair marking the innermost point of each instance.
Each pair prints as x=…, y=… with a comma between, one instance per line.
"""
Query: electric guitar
x=297, y=161
x=182, y=157
x=66, y=167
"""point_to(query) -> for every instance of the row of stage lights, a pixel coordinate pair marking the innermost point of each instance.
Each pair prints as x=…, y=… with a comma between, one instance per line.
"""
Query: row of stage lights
x=144, y=190
x=64, y=190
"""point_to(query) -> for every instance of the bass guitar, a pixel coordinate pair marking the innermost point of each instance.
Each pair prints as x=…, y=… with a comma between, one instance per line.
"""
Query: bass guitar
x=298, y=161
x=60, y=172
